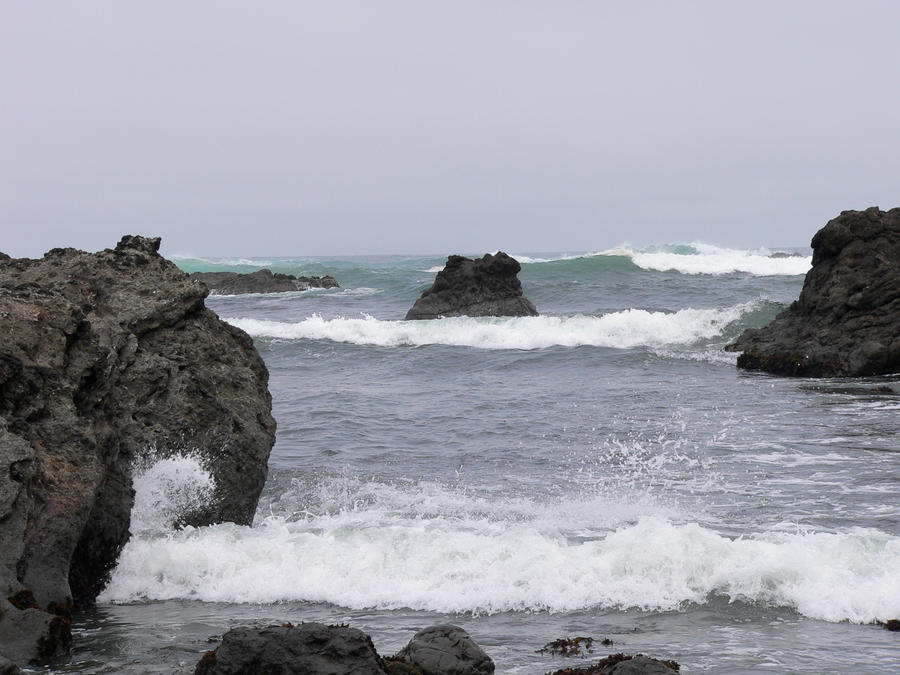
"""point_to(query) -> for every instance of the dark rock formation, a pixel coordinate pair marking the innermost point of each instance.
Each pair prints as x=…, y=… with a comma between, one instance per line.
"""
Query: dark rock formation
x=623, y=664
x=7, y=667
x=487, y=286
x=306, y=649
x=261, y=281
x=105, y=358
x=446, y=650
x=845, y=321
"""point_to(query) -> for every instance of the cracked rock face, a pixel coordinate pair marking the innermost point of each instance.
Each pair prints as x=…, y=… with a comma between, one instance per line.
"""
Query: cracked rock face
x=487, y=286
x=104, y=358
x=845, y=322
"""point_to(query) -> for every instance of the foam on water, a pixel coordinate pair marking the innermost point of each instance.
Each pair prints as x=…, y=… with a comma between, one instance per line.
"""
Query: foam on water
x=625, y=329
x=701, y=258
x=431, y=548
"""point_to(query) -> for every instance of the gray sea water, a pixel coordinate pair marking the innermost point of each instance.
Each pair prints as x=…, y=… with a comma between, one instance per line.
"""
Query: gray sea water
x=601, y=470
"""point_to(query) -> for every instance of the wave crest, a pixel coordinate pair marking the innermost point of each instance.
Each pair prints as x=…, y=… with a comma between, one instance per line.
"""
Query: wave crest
x=622, y=330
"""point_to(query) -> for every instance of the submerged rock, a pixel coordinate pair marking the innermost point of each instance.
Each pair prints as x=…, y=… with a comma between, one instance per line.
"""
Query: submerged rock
x=845, y=322
x=487, y=286
x=107, y=358
x=446, y=650
x=305, y=649
x=261, y=281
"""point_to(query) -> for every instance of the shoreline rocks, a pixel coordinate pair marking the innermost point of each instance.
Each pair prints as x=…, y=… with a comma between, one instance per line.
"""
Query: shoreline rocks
x=317, y=649
x=106, y=359
x=487, y=286
x=261, y=281
x=844, y=323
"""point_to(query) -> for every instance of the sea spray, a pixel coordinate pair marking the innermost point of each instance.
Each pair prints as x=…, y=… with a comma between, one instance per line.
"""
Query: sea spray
x=167, y=489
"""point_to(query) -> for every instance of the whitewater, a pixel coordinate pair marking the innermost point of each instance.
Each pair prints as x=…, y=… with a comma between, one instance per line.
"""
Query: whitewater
x=602, y=469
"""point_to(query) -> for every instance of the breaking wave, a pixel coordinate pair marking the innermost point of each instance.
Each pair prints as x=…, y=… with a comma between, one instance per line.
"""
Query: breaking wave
x=624, y=329
x=427, y=547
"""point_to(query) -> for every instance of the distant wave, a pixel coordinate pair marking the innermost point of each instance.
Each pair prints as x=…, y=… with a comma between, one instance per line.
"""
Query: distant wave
x=700, y=258
x=694, y=258
x=431, y=548
x=625, y=329
x=223, y=262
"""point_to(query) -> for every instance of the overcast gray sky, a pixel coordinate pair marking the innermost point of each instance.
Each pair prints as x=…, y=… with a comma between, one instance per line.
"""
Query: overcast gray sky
x=318, y=128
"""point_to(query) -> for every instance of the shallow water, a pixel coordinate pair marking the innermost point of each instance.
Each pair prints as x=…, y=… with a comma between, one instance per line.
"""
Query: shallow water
x=602, y=470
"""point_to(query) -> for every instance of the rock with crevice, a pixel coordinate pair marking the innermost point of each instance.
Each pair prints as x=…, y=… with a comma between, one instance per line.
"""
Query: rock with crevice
x=446, y=650
x=486, y=286
x=845, y=322
x=107, y=359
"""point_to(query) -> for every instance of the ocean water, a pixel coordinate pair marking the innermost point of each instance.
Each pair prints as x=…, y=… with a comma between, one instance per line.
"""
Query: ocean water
x=601, y=470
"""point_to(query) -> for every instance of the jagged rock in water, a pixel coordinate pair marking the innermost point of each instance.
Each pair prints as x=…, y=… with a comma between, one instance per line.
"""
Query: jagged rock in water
x=305, y=649
x=261, y=281
x=446, y=650
x=107, y=358
x=847, y=319
x=487, y=286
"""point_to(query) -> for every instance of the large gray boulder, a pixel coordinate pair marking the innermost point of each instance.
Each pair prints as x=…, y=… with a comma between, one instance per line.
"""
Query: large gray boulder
x=845, y=322
x=261, y=281
x=305, y=649
x=487, y=286
x=446, y=650
x=107, y=359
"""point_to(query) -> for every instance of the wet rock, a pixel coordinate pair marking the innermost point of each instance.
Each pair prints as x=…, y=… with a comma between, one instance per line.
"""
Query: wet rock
x=845, y=321
x=105, y=359
x=30, y=635
x=487, y=286
x=7, y=667
x=261, y=281
x=305, y=649
x=892, y=625
x=446, y=650
x=623, y=664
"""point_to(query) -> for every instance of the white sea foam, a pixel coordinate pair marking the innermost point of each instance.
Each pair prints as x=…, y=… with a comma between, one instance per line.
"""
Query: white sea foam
x=625, y=329
x=707, y=259
x=430, y=555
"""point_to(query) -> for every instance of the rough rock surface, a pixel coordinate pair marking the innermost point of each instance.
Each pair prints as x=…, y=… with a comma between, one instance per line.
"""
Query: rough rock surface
x=624, y=664
x=305, y=649
x=7, y=667
x=845, y=322
x=446, y=650
x=105, y=359
x=261, y=281
x=487, y=286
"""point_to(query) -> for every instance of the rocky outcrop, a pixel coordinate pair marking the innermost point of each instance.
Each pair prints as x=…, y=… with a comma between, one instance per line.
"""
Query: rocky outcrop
x=261, y=281
x=105, y=359
x=487, y=286
x=845, y=321
x=317, y=649
x=305, y=649
x=446, y=650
